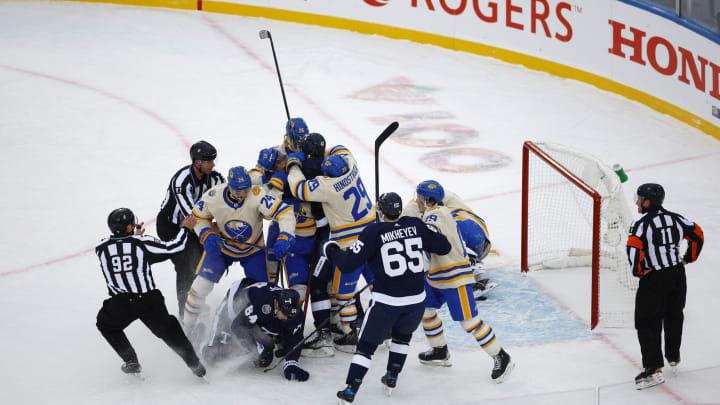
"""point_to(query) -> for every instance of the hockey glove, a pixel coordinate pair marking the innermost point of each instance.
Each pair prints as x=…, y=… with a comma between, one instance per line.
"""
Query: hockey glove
x=266, y=355
x=278, y=180
x=210, y=241
x=295, y=158
x=329, y=246
x=283, y=244
x=293, y=371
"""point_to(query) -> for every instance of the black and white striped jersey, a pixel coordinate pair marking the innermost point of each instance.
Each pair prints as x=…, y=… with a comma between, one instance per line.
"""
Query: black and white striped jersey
x=654, y=241
x=184, y=191
x=125, y=261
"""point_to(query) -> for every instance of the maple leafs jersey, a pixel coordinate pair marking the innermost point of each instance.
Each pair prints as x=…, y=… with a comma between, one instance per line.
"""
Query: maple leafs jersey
x=241, y=221
x=249, y=310
x=394, y=251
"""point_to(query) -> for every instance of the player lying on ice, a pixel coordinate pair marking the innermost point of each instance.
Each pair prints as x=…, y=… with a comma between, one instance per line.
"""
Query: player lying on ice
x=250, y=318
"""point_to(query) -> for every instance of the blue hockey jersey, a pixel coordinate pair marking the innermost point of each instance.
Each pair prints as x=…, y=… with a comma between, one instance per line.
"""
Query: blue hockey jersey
x=395, y=252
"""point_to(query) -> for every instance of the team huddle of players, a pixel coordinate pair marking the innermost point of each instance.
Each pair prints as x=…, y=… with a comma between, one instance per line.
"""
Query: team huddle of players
x=320, y=216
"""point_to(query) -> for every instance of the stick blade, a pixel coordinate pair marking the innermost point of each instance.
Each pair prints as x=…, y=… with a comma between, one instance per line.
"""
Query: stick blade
x=264, y=34
x=386, y=134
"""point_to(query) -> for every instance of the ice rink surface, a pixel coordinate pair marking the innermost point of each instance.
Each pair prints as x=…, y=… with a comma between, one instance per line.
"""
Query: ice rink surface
x=99, y=103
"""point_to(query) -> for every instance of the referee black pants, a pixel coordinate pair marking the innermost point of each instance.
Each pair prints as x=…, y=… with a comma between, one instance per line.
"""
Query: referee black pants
x=659, y=302
x=185, y=262
x=121, y=310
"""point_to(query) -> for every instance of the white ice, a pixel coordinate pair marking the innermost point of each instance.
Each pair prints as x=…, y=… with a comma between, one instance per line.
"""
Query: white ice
x=99, y=103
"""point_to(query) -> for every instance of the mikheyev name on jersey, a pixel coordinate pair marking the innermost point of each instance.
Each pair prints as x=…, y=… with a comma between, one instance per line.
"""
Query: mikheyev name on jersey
x=398, y=234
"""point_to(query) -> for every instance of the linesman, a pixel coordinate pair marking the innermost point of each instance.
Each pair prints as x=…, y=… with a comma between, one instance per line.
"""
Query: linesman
x=185, y=189
x=653, y=249
x=125, y=259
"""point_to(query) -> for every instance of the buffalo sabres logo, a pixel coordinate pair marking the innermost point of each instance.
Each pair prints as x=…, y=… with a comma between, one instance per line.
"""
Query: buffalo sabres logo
x=266, y=308
x=238, y=229
x=432, y=186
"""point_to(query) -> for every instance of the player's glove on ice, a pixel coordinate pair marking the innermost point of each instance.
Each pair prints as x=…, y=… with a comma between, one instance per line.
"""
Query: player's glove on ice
x=283, y=244
x=266, y=355
x=293, y=371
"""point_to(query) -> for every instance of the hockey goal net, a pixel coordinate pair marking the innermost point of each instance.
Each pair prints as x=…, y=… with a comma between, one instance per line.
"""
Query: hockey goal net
x=575, y=215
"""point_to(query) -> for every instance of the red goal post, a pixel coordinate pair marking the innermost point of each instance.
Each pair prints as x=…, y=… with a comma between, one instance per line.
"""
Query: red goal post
x=574, y=215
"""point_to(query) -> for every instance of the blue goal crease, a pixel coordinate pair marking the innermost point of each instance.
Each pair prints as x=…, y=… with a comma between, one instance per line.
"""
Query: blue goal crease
x=519, y=313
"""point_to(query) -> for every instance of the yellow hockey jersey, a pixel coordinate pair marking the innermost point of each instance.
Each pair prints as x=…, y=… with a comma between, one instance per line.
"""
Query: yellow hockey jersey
x=241, y=222
x=346, y=204
x=453, y=269
x=459, y=210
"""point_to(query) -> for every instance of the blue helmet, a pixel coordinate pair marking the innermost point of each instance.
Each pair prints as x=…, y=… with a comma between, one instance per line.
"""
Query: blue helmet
x=296, y=129
x=431, y=189
x=238, y=179
x=334, y=166
x=267, y=159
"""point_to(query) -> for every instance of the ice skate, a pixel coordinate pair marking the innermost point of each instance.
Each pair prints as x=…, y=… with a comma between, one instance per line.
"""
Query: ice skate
x=347, y=342
x=436, y=356
x=503, y=366
x=347, y=396
x=133, y=370
x=649, y=377
x=320, y=346
x=389, y=380
x=199, y=371
x=482, y=287
x=674, y=367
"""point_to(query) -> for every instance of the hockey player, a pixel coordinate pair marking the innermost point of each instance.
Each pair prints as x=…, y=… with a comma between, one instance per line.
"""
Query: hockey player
x=297, y=265
x=125, y=259
x=238, y=209
x=271, y=170
x=270, y=161
x=394, y=249
x=450, y=281
x=348, y=210
x=250, y=317
x=186, y=187
x=474, y=233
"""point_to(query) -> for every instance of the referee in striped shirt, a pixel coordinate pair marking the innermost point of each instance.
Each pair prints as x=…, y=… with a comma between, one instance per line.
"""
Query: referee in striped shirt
x=125, y=259
x=653, y=249
x=185, y=189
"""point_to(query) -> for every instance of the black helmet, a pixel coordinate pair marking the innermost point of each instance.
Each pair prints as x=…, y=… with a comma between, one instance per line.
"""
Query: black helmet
x=653, y=192
x=119, y=219
x=313, y=145
x=390, y=204
x=202, y=150
x=289, y=302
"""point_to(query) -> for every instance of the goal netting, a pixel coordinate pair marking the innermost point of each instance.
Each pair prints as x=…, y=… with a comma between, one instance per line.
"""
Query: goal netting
x=575, y=215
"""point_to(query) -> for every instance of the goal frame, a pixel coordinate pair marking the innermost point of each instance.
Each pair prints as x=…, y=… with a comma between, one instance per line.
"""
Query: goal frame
x=528, y=148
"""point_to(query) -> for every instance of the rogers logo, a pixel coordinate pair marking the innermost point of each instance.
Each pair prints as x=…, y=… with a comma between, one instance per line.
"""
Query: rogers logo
x=377, y=3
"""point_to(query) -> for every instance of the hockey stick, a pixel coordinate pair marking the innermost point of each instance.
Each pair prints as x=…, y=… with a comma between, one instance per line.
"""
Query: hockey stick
x=265, y=248
x=378, y=142
x=323, y=323
x=266, y=34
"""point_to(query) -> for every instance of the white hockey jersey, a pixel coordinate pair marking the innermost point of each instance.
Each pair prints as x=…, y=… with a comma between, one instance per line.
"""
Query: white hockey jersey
x=305, y=223
x=346, y=204
x=453, y=269
x=241, y=222
x=459, y=210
